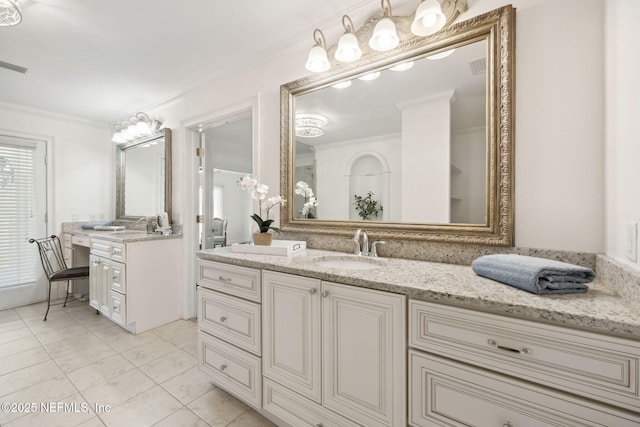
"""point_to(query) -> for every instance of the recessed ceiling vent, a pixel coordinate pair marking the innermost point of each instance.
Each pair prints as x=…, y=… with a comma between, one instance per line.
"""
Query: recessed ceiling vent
x=479, y=66
x=13, y=67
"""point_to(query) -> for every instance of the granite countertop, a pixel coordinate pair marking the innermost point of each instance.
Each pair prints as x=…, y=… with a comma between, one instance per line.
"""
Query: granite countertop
x=600, y=309
x=124, y=236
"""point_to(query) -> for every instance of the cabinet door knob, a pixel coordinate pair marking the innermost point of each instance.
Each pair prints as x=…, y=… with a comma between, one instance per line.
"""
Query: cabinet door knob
x=223, y=366
x=319, y=425
x=224, y=279
x=312, y=291
x=325, y=294
x=507, y=424
x=223, y=318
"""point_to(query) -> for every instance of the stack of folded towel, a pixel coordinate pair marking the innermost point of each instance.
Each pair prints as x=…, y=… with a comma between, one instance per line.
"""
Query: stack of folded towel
x=535, y=275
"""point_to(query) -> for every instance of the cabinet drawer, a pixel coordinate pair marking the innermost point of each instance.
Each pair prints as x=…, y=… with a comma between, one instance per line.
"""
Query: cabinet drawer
x=118, y=252
x=118, y=307
x=232, y=369
x=444, y=392
x=239, y=281
x=112, y=250
x=79, y=241
x=593, y=365
x=118, y=277
x=232, y=319
x=296, y=410
x=101, y=248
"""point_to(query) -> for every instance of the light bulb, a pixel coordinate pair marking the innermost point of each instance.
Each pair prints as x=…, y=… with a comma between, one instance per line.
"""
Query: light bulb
x=348, y=49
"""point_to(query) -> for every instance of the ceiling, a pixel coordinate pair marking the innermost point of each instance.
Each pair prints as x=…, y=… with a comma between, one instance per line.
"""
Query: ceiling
x=103, y=60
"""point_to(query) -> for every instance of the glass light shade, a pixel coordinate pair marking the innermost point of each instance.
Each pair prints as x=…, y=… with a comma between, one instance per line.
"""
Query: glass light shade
x=370, y=76
x=403, y=67
x=318, y=60
x=131, y=130
x=384, y=36
x=143, y=128
x=117, y=138
x=10, y=13
x=125, y=135
x=342, y=85
x=429, y=18
x=348, y=49
x=441, y=54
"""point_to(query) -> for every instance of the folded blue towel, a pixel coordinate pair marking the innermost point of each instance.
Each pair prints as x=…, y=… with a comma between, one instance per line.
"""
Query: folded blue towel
x=90, y=225
x=535, y=275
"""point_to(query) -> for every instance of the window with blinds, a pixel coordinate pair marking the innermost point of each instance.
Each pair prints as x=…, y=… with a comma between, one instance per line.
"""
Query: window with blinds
x=19, y=211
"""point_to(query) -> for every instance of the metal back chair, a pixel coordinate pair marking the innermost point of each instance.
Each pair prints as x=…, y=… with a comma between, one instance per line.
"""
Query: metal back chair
x=55, y=268
x=219, y=232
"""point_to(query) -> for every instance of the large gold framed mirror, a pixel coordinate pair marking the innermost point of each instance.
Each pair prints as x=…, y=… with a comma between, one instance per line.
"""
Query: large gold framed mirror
x=143, y=177
x=422, y=152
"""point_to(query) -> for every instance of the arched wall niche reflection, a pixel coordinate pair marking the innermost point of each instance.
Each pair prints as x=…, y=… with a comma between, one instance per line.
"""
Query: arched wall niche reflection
x=368, y=171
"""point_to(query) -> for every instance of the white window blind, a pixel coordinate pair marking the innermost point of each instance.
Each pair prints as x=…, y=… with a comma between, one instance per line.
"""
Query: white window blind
x=18, y=211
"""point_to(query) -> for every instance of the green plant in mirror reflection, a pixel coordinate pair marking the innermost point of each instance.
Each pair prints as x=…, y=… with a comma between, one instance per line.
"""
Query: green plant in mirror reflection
x=366, y=206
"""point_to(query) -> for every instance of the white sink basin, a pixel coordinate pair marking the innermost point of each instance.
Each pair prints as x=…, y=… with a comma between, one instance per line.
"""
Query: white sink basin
x=345, y=262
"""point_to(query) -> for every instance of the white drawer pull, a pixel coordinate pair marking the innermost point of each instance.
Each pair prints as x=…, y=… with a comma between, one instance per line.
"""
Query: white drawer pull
x=117, y=251
x=325, y=294
x=223, y=366
x=223, y=319
x=312, y=291
x=524, y=350
x=224, y=279
x=507, y=424
x=319, y=425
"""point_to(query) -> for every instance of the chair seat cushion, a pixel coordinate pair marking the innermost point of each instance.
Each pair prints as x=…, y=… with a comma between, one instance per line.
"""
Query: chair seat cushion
x=70, y=273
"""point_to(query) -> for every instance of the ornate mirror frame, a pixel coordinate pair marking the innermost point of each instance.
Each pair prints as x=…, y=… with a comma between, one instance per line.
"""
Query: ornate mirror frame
x=497, y=28
x=121, y=178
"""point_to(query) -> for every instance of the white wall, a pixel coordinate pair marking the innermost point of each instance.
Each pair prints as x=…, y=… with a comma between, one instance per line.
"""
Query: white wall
x=82, y=157
x=622, y=68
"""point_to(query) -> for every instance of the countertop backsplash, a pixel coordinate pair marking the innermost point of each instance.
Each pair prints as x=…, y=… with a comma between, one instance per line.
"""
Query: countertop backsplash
x=448, y=253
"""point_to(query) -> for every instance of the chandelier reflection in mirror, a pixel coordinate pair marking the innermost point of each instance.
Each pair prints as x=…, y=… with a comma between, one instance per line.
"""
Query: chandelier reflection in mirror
x=137, y=126
x=310, y=125
x=10, y=13
x=430, y=17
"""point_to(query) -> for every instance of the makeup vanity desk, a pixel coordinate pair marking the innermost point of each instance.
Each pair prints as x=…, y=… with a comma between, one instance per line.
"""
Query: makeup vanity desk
x=134, y=278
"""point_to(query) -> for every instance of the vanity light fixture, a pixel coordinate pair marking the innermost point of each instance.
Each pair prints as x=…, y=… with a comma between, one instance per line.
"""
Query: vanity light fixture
x=310, y=125
x=429, y=18
x=136, y=126
x=318, y=61
x=384, y=35
x=348, y=49
x=10, y=13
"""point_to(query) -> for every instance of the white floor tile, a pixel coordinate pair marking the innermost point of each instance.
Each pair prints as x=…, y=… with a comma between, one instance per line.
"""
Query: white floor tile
x=77, y=359
x=19, y=346
x=17, y=380
x=217, y=407
x=169, y=366
x=22, y=360
x=118, y=389
x=100, y=371
x=147, y=352
x=188, y=386
x=145, y=409
x=182, y=418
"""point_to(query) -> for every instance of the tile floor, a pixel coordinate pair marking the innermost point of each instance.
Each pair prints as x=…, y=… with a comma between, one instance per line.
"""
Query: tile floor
x=77, y=364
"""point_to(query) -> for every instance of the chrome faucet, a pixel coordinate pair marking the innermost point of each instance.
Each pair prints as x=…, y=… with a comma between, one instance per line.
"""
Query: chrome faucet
x=361, y=249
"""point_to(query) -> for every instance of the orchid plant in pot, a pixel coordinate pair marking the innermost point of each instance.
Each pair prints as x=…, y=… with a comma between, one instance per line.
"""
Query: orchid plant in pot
x=259, y=192
x=310, y=201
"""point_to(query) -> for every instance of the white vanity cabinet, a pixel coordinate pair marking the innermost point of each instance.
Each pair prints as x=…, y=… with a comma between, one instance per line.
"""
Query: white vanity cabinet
x=337, y=351
x=135, y=284
x=474, y=368
x=229, y=322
